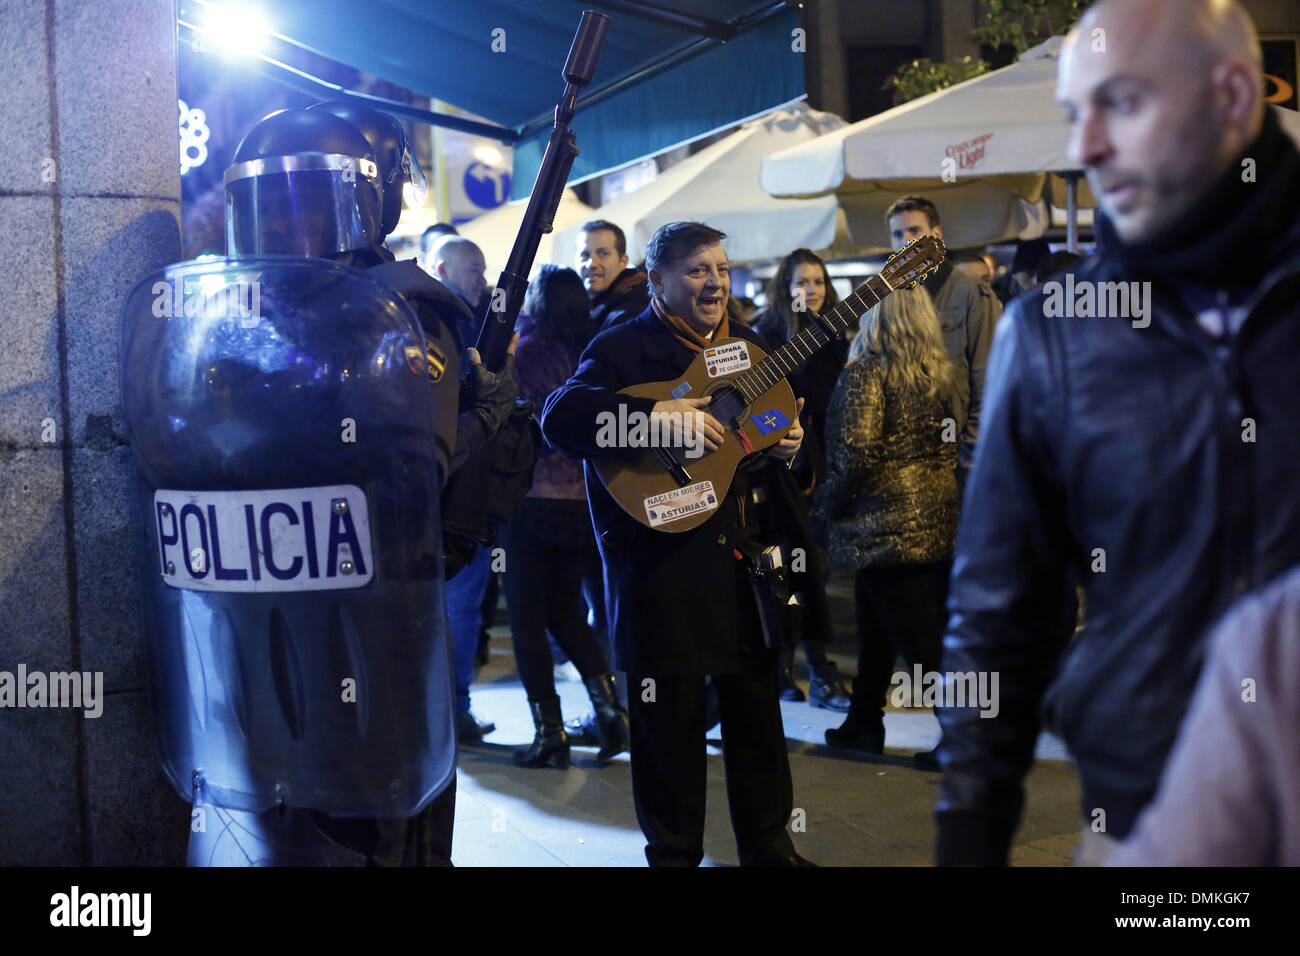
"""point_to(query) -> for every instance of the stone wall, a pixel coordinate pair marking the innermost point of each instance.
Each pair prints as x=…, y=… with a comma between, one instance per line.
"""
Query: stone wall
x=89, y=203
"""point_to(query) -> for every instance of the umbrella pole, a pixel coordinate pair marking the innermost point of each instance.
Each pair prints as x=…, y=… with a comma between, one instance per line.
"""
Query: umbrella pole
x=1072, y=212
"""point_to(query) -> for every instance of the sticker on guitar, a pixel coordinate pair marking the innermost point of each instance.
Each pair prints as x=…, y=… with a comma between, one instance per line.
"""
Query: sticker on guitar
x=725, y=359
x=680, y=502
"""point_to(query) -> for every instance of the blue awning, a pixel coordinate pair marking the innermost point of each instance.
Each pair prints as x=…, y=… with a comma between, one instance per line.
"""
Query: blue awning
x=666, y=76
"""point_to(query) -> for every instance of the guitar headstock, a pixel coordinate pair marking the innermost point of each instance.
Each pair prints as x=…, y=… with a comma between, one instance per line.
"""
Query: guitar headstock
x=914, y=262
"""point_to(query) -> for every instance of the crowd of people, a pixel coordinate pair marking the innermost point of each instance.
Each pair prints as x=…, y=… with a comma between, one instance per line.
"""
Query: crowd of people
x=1093, y=458
x=992, y=468
x=889, y=418
x=554, y=583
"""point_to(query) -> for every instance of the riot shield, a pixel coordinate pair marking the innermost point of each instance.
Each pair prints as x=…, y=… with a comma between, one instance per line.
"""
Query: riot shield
x=288, y=534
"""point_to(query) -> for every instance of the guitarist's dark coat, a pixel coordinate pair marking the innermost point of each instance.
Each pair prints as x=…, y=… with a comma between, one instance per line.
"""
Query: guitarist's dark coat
x=672, y=598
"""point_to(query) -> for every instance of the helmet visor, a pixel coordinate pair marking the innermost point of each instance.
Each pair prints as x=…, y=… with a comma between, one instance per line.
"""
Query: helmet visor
x=416, y=187
x=310, y=204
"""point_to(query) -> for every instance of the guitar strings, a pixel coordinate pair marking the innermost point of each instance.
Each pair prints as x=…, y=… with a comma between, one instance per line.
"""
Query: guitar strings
x=764, y=373
x=814, y=337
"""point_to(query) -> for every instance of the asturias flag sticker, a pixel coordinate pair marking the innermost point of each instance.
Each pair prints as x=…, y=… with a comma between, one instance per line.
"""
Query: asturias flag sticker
x=770, y=421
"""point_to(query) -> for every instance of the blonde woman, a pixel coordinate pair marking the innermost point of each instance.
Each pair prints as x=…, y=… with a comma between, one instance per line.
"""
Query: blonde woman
x=889, y=500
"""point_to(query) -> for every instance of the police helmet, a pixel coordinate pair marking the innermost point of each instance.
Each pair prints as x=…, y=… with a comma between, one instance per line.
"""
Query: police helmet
x=303, y=183
x=397, y=167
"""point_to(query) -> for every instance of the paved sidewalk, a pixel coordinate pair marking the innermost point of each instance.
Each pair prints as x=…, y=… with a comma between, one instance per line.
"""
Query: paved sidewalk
x=858, y=811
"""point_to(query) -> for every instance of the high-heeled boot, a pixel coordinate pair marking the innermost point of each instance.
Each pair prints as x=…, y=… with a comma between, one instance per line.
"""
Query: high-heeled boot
x=611, y=718
x=550, y=742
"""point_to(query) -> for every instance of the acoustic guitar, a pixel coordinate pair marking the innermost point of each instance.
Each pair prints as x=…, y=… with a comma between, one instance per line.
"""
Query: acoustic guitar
x=664, y=487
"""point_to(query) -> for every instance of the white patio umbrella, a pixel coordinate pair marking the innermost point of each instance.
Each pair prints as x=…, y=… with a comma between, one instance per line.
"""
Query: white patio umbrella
x=980, y=149
x=719, y=186
x=988, y=151
x=495, y=231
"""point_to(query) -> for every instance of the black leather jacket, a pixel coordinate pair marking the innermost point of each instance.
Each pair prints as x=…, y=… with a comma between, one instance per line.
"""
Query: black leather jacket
x=1166, y=457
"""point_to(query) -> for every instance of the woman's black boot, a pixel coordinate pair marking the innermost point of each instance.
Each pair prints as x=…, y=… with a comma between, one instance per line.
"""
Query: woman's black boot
x=611, y=718
x=550, y=742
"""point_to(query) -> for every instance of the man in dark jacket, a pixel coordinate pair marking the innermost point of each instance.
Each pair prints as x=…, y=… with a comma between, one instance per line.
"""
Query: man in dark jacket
x=617, y=292
x=1139, y=426
x=968, y=313
x=681, y=604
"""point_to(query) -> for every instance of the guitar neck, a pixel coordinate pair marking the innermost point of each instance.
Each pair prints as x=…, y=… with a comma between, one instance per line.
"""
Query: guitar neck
x=814, y=337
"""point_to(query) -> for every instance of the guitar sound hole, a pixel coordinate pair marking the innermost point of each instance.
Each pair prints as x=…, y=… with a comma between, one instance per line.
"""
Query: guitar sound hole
x=728, y=407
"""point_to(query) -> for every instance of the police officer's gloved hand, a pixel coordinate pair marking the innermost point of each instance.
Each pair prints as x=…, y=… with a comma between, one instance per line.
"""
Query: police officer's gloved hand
x=491, y=394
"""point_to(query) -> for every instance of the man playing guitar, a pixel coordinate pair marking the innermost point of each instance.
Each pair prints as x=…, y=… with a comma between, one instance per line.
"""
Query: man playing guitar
x=681, y=605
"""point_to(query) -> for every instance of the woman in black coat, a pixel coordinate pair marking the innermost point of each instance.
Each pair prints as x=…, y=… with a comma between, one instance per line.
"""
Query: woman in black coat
x=800, y=289
x=549, y=541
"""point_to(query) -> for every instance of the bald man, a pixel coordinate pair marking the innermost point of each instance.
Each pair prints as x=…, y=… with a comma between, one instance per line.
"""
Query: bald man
x=1139, y=428
x=458, y=263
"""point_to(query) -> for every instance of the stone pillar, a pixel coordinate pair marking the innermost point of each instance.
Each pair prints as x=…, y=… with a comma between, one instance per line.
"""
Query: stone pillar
x=89, y=203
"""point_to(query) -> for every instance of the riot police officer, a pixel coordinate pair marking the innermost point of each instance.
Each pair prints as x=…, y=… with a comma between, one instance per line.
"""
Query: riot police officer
x=312, y=226
x=327, y=183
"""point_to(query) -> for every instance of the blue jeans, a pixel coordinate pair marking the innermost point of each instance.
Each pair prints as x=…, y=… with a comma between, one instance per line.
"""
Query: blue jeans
x=465, y=617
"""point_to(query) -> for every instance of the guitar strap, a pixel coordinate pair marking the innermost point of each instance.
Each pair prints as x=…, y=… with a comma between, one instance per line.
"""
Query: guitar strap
x=768, y=584
x=771, y=587
x=742, y=491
